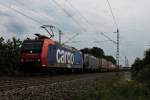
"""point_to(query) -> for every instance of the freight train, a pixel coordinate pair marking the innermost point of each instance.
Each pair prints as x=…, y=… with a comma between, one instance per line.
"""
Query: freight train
x=45, y=54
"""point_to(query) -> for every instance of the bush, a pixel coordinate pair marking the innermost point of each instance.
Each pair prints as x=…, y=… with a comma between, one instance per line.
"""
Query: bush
x=9, y=56
x=121, y=90
x=144, y=74
x=141, y=68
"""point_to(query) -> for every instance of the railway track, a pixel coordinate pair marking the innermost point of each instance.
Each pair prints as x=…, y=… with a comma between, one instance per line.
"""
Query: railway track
x=10, y=84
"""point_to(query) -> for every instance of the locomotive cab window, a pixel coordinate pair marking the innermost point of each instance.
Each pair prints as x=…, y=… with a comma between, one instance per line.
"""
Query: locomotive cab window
x=32, y=47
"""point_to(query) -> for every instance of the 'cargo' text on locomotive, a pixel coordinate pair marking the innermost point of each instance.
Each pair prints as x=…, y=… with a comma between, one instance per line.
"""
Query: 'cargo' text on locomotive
x=64, y=57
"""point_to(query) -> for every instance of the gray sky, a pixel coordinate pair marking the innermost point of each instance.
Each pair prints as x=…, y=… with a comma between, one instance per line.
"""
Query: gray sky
x=132, y=17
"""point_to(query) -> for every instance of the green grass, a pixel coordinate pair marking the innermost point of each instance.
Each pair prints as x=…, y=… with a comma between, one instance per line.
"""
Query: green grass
x=116, y=90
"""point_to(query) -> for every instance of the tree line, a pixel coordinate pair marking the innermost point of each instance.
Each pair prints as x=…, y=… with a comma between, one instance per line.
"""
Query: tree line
x=9, y=55
x=99, y=53
x=141, y=68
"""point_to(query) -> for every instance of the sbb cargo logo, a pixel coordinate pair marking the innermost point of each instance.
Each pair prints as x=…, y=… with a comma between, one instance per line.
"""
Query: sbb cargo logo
x=64, y=57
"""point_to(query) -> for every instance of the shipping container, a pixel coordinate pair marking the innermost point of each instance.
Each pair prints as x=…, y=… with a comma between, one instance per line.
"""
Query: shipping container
x=90, y=62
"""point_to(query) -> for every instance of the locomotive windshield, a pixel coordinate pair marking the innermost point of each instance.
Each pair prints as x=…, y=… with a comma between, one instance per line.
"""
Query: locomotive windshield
x=32, y=47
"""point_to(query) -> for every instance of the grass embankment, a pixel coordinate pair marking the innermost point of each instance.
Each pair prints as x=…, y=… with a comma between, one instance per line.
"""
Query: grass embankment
x=116, y=90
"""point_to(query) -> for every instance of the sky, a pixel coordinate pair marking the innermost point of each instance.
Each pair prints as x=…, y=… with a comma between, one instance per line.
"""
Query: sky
x=87, y=18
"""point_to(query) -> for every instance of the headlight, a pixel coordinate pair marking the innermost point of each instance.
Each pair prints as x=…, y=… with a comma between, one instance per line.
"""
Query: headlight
x=22, y=60
x=39, y=60
x=43, y=65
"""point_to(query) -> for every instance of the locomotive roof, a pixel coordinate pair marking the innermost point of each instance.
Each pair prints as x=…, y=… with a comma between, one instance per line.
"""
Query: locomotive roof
x=33, y=40
x=66, y=46
x=41, y=38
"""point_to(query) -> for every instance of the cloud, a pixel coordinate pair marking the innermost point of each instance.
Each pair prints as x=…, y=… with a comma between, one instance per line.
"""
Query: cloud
x=132, y=17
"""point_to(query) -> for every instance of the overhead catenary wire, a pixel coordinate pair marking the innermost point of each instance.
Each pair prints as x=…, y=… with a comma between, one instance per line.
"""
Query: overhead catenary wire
x=114, y=19
x=115, y=22
x=71, y=38
x=108, y=38
x=21, y=13
x=76, y=10
x=102, y=41
x=90, y=24
x=69, y=15
x=21, y=3
x=82, y=16
x=57, y=27
x=29, y=17
x=87, y=21
x=17, y=11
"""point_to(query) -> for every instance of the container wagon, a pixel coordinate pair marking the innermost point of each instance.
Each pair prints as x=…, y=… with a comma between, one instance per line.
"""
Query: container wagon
x=91, y=63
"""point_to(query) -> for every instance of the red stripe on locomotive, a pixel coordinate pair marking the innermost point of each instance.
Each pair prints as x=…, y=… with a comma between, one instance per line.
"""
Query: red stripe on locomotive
x=46, y=43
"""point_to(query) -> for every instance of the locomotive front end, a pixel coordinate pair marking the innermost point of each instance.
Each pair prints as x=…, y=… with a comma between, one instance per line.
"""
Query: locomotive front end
x=30, y=58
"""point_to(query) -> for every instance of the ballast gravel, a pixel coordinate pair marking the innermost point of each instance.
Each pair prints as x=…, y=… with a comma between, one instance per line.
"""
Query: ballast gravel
x=56, y=91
